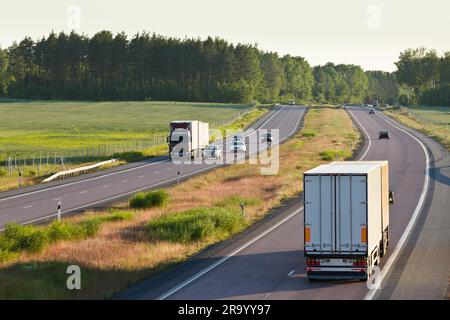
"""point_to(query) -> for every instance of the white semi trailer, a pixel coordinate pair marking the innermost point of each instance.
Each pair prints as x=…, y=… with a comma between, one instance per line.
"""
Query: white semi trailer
x=187, y=138
x=346, y=219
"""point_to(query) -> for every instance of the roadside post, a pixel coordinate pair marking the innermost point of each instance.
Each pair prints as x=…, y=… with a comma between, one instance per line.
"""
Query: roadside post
x=242, y=209
x=20, y=177
x=59, y=211
x=178, y=177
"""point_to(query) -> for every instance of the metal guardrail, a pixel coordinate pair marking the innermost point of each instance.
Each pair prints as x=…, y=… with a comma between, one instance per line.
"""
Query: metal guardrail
x=70, y=172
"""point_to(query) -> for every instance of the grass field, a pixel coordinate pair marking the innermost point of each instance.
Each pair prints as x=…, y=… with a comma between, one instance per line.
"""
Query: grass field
x=433, y=121
x=33, y=126
x=200, y=211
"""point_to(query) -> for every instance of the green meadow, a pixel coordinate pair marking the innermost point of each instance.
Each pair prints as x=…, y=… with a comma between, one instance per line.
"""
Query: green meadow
x=48, y=126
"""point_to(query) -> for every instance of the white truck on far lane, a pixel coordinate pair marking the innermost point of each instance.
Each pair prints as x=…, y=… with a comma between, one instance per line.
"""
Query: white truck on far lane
x=187, y=138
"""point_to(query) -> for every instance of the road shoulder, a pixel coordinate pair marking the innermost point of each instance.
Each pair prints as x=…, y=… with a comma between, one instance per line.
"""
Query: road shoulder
x=421, y=270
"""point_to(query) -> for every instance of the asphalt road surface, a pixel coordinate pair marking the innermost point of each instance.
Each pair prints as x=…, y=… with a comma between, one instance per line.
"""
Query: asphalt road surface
x=39, y=203
x=268, y=262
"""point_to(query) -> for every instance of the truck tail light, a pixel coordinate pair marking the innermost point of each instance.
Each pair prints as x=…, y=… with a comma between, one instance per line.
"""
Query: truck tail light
x=360, y=262
x=364, y=234
x=310, y=262
x=307, y=234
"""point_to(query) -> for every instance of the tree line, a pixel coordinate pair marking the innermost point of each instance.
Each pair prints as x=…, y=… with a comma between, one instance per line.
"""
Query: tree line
x=153, y=67
x=424, y=77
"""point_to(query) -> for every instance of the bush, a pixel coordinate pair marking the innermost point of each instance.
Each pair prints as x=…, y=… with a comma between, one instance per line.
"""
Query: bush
x=309, y=134
x=131, y=156
x=59, y=230
x=329, y=155
x=5, y=255
x=20, y=237
x=196, y=225
x=17, y=237
x=157, y=198
x=90, y=227
x=3, y=172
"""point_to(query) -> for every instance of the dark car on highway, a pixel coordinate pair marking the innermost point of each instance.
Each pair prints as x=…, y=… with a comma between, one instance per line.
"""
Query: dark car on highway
x=383, y=134
x=371, y=111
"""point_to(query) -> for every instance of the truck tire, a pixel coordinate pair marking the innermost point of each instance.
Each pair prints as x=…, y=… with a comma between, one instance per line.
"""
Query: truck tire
x=384, y=244
x=384, y=248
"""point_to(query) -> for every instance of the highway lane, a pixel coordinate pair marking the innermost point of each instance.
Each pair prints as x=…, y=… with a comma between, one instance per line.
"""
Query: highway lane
x=423, y=267
x=271, y=264
x=40, y=205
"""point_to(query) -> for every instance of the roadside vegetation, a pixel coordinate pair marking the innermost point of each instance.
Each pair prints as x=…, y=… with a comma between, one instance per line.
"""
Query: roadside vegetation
x=150, y=199
x=19, y=238
x=199, y=212
x=432, y=121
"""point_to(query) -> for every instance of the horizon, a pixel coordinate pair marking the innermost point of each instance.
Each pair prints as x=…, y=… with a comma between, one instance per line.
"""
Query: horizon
x=371, y=34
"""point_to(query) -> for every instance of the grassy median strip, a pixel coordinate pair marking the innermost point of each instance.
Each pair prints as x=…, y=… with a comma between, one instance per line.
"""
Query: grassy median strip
x=199, y=212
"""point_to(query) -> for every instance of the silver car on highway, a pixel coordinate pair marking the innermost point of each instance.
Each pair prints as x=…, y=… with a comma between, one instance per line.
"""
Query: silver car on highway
x=212, y=152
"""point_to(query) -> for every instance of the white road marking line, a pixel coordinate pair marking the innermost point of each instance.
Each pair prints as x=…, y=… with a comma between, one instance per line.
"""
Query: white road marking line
x=225, y=258
x=156, y=172
x=124, y=180
x=141, y=177
x=291, y=273
x=57, y=199
x=106, y=186
x=83, y=192
x=84, y=180
x=401, y=243
x=266, y=296
x=27, y=207
x=295, y=128
x=367, y=134
x=117, y=196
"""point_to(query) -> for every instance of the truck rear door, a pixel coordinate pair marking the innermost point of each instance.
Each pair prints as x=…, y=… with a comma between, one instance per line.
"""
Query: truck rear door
x=351, y=209
x=335, y=213
x=319, y=213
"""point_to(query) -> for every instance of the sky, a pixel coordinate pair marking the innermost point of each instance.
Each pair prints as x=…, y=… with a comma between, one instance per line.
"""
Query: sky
x=369, y=33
